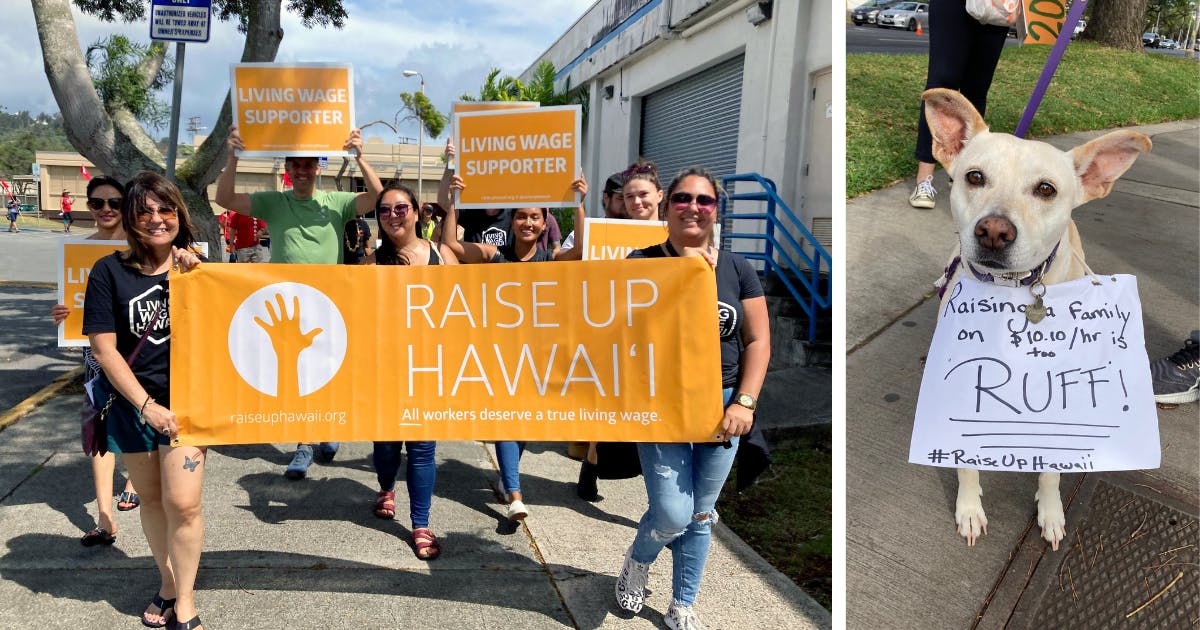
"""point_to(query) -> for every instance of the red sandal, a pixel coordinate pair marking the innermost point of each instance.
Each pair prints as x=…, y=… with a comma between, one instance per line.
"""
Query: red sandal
x=385, y=504
x=426, y=544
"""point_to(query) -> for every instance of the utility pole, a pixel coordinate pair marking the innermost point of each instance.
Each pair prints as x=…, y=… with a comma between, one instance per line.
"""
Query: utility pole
x=420, y=137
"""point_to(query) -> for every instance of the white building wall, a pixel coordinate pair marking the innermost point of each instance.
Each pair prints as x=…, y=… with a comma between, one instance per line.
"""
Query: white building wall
x=673, y=39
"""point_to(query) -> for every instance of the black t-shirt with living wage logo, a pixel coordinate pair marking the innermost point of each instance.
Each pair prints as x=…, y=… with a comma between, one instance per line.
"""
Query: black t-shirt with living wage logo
x=122, y=300
x=736, y=281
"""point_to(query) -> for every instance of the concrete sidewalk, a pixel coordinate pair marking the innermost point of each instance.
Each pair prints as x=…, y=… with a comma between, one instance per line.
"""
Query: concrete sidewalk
x=906, y=565
x=311, y=554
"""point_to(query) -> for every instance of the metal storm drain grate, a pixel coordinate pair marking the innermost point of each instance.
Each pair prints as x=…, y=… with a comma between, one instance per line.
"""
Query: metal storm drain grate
x=1129, y=563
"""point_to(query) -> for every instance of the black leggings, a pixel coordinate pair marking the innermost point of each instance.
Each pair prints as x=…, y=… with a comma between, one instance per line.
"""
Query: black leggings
x=962, y=56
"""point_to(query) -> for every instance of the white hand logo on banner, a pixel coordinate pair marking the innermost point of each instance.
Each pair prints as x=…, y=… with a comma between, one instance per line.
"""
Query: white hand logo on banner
x=287, y=340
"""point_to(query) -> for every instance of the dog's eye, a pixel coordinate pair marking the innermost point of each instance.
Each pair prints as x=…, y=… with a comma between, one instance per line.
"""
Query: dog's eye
x=1045, y=190
x=976, y=178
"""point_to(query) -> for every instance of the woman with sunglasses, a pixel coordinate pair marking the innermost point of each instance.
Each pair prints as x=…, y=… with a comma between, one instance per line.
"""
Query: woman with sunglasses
x=682, y=503
x=527, y=227
x=104, y=198
x=126, y=307
x=396, y=211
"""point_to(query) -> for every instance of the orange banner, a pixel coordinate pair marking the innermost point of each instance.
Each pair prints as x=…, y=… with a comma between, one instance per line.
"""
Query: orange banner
x=613, y=239
x=587, y=351
x=518, y=158
x=75, y=260
x=1044, y=20
x=294, y=109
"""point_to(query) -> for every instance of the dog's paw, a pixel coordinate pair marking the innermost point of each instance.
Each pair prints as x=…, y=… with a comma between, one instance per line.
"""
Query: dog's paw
x=1051, y=518
x=972, y=522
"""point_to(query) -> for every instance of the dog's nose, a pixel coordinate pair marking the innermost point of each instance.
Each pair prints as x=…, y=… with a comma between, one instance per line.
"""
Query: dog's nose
x=995, y=233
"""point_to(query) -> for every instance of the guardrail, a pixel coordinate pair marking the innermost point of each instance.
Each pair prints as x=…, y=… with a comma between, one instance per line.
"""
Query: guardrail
x=780, y=219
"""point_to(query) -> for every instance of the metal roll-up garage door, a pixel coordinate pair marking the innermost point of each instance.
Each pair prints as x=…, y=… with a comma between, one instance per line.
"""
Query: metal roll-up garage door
x=695, y=121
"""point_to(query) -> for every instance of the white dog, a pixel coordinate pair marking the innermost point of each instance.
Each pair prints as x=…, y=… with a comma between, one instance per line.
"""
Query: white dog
x=1012, y=201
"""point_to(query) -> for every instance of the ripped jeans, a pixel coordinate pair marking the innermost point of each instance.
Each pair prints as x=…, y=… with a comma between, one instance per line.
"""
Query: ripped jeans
x=682, y=485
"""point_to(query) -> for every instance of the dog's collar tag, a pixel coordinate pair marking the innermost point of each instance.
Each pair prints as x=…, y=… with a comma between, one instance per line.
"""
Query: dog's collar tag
x=1036, y=312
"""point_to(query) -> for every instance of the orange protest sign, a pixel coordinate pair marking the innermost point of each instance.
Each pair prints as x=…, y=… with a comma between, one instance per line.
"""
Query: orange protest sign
x=75, y=261
x=1044, y=20
x=613, y=239
x=294, y=109
x=604, y=350
x=518, y=158
x=458, y=107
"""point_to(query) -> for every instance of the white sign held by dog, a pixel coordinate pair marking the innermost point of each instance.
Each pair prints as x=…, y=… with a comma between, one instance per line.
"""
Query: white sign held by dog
x=1071, y=393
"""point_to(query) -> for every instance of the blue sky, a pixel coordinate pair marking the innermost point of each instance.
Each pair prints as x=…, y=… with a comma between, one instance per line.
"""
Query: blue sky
x=453, y=49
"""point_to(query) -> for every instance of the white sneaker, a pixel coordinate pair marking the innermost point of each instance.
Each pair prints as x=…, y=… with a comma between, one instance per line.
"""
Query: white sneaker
x=517, y=511
x=631, y=584
x=924, y=194
x=682, y=618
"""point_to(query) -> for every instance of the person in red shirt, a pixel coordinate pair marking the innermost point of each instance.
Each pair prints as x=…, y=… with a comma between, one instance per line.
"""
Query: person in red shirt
x=244, y=233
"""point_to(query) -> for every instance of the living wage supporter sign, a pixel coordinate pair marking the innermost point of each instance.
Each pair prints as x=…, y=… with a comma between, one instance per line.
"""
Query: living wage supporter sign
x=582, y=351
x=518, y=158
x=293, y=109
x=1071, y=393
x=75, y=261
x=614, y=239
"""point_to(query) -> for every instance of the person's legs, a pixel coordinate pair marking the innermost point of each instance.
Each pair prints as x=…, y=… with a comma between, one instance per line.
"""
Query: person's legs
x=103, y=467
x=949, y=45
x=710, y=468
x=508, y=458
x=386, y=457
x=986, y=44
x=420, y=476
x=182, y=478
x=326, y=451
x=667, y=472
x=145, y=472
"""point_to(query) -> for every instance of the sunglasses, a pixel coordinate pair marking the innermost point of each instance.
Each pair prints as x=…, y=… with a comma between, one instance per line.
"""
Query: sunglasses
x=704, y=202
x=96, y=203
x=400, y=210
x=164, y=212
x=637, y=170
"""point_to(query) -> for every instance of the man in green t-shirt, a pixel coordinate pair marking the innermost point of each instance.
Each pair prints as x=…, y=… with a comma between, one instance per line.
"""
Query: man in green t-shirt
x=306, y=227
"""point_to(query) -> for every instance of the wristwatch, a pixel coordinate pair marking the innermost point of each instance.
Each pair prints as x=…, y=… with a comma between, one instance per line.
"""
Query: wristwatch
x=746, y=400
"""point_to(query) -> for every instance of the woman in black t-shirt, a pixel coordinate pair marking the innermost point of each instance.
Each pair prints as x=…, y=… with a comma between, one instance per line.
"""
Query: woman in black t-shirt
x=683, y=501
x=126, y=302
x=527, y=227
x=396, y=211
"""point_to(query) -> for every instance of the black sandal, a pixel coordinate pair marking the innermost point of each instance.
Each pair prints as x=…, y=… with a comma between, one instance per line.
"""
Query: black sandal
x=163, y=606
x=190, y=624
x=98, y=536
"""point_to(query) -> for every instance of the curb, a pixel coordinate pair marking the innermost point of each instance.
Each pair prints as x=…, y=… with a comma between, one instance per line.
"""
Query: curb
x=27, y=284
x=22, y=408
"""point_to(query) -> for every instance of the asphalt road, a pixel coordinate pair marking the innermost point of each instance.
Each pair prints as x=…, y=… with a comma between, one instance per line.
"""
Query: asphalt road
x=890, y=41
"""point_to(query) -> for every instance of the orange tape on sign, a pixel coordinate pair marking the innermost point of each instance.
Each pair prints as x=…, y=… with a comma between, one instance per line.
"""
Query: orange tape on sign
x=587, y=351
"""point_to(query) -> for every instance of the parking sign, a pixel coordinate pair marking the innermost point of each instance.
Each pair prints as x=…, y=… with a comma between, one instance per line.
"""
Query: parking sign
x=180, y=20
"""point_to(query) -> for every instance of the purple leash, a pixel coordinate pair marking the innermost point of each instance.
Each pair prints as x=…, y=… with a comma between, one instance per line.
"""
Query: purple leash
x=1060, y=46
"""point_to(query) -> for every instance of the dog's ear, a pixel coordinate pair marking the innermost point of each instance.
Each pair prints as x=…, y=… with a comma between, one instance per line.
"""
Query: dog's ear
x=1100, y=162
x=952, y=120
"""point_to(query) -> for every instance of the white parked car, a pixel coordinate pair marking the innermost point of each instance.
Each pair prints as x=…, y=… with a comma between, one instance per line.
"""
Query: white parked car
x=904, y=15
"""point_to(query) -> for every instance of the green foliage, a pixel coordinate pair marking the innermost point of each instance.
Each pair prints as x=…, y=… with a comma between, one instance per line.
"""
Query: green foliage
x=539, y=90
x=115, y=64
x=418, y=106
x=21, y=135
x=311, y=12
x=883, y=96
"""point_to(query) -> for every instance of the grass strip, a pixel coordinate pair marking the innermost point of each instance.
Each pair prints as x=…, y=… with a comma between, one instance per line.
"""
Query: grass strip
x=1094, y=88
x=787, y=516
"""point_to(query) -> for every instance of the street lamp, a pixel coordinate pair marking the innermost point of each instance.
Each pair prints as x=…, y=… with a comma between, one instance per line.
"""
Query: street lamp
x=420, y=137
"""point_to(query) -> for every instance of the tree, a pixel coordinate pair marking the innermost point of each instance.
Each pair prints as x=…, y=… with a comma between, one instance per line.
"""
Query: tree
x=120, y=69
x=1117, y=24
x=109, y=134
x=418, y=106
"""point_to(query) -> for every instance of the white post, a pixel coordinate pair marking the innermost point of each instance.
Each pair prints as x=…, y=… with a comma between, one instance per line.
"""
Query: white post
x=420, y=138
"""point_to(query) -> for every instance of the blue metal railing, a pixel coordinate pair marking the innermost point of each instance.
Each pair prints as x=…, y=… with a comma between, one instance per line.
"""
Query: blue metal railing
x=778, y=215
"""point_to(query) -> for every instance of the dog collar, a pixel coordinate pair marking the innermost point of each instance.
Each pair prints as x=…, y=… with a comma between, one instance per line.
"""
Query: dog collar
x=1012, y=279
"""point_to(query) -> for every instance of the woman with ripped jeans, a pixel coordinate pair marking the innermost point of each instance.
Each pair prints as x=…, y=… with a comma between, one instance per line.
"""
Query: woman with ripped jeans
x=684, y=480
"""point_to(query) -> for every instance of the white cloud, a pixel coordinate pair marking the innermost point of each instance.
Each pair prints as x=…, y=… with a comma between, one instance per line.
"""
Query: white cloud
x=453, y=50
